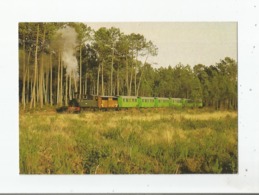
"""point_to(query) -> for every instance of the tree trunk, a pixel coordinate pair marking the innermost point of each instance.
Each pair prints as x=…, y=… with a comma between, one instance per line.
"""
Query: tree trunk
x=135, y=79
x=46, y=86
x=51, y=84
x=44, y=90
x=75, y=84
x=97, y=82
x=118, y=87
x=35, y=69
x=112, y=70
x=28, y=85
x=102, y=80
x=127, y=76
x=37, y=86
x=41, y=82
x=28, y=78
x=24, y=74
x=80, y=72
x=31, y=86
x=58, y=90
x=131, y=76
x=70, y=84
x=41, y=74
x=66, y=94
x=141, y=75
x=61, y=84
x=140, y=81
x=135, y=82
x=86, y=91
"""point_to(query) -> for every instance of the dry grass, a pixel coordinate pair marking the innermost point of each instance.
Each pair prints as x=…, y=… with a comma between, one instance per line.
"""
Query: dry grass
x=207, y=116
x=132, y=141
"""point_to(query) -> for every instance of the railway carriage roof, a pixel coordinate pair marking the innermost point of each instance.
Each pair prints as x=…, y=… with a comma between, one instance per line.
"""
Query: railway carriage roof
x=129, y=97
x=161, y=98
x=147, y=97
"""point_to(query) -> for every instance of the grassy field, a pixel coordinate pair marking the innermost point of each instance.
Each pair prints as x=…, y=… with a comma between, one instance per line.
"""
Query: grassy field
x=146, y=141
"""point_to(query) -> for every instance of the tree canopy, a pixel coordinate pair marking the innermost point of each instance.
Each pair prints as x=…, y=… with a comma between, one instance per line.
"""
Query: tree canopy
x=60, y=61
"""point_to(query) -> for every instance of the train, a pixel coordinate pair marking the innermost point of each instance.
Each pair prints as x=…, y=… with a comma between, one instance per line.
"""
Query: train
x=121, y=102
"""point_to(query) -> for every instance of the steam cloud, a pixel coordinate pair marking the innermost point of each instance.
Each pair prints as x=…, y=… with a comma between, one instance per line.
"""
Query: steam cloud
x=69, y=37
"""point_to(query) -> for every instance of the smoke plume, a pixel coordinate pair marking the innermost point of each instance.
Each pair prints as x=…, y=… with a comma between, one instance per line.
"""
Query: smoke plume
x=69, y=37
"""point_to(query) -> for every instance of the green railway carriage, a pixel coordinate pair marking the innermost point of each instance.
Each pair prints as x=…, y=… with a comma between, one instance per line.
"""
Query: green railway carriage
x=162, y=102
x=128, y=101
x=175, y=102
x=146, y=102
x=185, y=103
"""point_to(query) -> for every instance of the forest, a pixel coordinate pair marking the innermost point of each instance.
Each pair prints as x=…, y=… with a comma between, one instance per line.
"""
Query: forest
x=60, y=61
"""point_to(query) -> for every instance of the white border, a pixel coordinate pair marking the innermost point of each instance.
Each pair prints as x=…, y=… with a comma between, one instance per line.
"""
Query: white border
x=246, y=13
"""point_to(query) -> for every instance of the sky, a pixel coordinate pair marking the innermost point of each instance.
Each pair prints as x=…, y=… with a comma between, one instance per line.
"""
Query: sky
x=184, y=42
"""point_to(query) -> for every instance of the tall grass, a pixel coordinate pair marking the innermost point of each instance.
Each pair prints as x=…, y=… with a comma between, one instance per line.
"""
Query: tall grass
x=148, y=141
